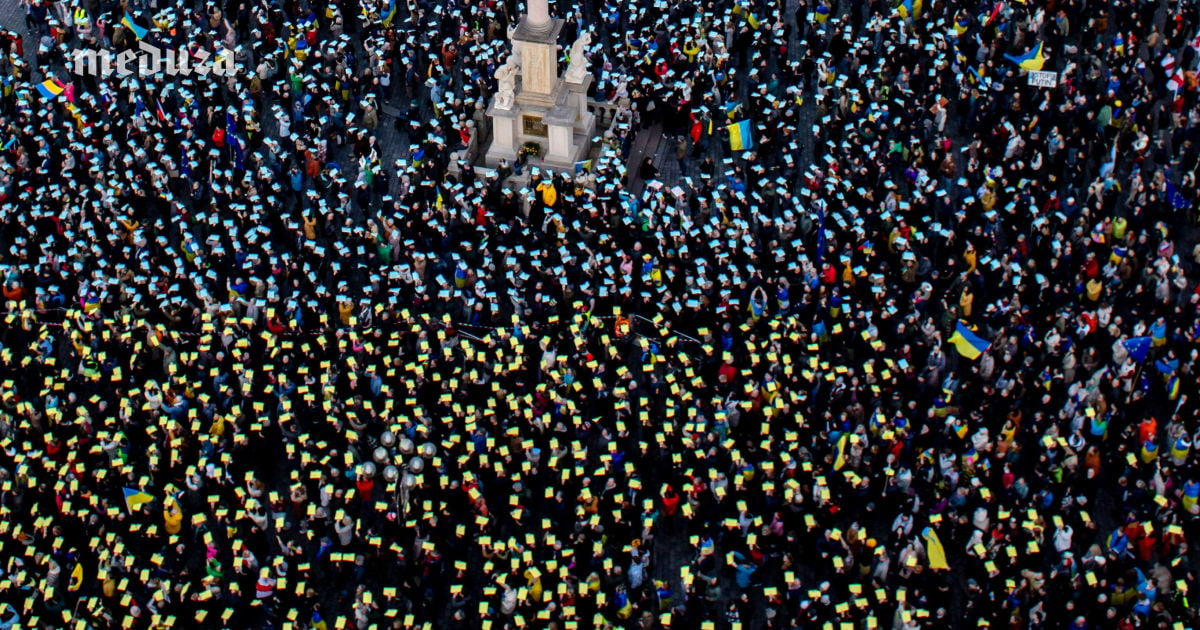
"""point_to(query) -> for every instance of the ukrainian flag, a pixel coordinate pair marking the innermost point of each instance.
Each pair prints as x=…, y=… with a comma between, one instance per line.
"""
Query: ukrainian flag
x=390, y=14
x=822, y=13
x=1032, y=60
x=742, y=11
x=967, y=342
x=76, y=578
x=934, y=550
x=740, y=136
x=138, y=31
x=1191, y=495
x=50, y=88
x=839, y=452
x=732, y=108
x=75, y=113
x=135, y=498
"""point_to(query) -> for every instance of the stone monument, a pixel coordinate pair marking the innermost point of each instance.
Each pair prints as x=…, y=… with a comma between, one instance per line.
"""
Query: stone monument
x=534, y=104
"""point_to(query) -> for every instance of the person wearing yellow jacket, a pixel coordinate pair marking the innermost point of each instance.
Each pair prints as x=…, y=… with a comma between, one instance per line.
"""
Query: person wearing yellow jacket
x=549, y=193
x=172, y=516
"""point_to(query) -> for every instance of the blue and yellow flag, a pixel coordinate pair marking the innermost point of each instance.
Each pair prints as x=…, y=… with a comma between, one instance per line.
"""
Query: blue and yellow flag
x=1035, y=59
x=76, y=114
x=821, y=14
x=934, y=550
x=390, y=14
x=967, y=342
x=138, y=31
x=76, y=578
x=135, y=498
x=732, y=108
x=740, y=136
x=910, y=8
x=839, y=452
x=49, y=89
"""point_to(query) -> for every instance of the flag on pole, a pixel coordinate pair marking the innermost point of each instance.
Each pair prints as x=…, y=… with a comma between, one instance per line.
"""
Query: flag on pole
x=1137, y=347
x=50, y=89
x=991, y=17
x=138, y=31
x=967, y=342
x=740, y=136
x=135, y=498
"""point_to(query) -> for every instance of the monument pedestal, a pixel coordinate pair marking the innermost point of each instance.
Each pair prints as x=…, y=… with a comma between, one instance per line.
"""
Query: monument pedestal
x=546, y=109
x=505, y=136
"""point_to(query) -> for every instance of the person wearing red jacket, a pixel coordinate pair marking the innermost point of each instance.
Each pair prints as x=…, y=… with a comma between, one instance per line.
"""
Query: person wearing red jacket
x=670, y=500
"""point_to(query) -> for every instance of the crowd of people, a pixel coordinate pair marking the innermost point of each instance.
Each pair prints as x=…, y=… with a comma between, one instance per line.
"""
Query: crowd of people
x=917, y=350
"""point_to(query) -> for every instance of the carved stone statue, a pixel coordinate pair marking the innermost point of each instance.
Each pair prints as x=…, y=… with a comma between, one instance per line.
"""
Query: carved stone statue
x=506, y=78
x=579, y=62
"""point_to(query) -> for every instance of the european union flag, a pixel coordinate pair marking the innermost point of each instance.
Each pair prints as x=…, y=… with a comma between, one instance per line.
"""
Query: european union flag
x=1137, y=347
x=1178, y=201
